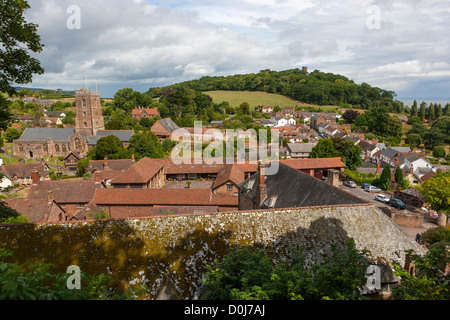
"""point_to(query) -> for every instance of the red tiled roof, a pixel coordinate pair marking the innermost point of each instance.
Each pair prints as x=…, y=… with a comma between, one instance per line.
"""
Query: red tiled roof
x=229, y=172
x=36, y=210
x=64, y=191
x=141, y=172
x=162, y=197
x=318, y=163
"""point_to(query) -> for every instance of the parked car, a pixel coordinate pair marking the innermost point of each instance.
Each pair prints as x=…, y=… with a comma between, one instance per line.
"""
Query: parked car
x=373, y=189
x=397, y=203
x=382, y=198
x=350, y=184
x=366, y=185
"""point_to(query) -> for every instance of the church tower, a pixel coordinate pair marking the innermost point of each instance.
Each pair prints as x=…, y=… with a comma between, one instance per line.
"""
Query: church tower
x=88, y=115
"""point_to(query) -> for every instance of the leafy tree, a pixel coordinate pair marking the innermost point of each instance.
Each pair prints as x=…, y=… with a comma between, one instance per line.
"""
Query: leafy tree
x=109, y=147
x=378, y=118
x=18, y=38
x=434, y=137
x=324, y=149
x=414, y=110
x=393, y=127
x=247, y=273
x=40, y=282
x=350, y=115
x=82, y=167
x=438, y=152
x=437, y=235
x=414, y=140
x=422, y=111
x=7, y=212
x=429, y=282
x=436, y=191
x=384, y=182
x=443, y=125
x=348, y=151
x=12, y=134
x=146, y=144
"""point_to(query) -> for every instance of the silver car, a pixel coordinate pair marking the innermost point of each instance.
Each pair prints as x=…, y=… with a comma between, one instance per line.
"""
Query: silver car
x=350, y=184
x=373, y=189
x=382, y=198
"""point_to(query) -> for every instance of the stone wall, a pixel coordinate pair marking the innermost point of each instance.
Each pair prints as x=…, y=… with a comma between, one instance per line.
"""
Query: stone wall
x=173, y=251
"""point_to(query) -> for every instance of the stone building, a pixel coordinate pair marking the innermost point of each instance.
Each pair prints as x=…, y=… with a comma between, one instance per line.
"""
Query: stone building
x=36, y=143
x=88, y=116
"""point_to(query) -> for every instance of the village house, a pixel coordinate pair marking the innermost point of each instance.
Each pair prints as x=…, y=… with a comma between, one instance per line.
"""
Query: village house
x=300, y=150
x=164, y=128
x=145, y=174
x=140, y=113
x=23, y=174
x=266, y=109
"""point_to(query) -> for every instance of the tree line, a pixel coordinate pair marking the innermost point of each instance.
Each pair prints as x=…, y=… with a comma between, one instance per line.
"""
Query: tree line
x=316, y=88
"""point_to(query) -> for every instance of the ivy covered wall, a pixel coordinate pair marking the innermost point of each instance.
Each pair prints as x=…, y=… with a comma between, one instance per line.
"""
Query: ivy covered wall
x=175, y=250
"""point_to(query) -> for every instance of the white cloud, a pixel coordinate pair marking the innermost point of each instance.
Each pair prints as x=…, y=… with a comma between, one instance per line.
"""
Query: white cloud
x=142, y=43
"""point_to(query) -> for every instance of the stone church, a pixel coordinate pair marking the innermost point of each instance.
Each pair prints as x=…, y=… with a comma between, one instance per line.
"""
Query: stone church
x=36, y=143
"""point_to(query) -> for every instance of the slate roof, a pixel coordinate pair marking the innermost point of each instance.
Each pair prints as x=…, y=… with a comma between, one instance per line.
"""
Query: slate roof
x=301, y=147
x=57, y=134
x=123, y=135
x=168, y=124
x=389, y=153
x=297, y=189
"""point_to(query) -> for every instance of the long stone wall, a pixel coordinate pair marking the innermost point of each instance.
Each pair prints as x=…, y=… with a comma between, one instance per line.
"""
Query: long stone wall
x=173, y=251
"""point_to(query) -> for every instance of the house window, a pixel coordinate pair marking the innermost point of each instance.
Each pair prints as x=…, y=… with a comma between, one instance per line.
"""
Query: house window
x=229, y=187
x=136, y=186
x=120, y=186
x=80, y=205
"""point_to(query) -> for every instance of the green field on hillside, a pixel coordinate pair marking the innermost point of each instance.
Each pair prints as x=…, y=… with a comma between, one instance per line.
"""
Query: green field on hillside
x=255, y=98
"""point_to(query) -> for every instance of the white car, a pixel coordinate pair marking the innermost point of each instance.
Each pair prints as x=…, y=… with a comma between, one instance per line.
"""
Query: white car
x=382, y=198
x=373, y=189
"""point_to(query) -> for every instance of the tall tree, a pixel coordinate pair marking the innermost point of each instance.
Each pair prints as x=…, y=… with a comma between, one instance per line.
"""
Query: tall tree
x=423, y=110
x=18, y=38
x=414, y=109
x=324, y=149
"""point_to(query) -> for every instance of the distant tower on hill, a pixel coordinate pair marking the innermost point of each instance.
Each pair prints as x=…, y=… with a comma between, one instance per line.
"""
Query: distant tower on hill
x=88, y=115
x=305, y=69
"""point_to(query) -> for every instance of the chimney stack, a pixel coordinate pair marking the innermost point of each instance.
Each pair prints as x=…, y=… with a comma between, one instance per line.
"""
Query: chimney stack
x=50, y=196
x=97, y=177
x=105, y=164
x=411, y=169
x=378, y=168
x=132, y=157
x=262, y=189
x=35, y=177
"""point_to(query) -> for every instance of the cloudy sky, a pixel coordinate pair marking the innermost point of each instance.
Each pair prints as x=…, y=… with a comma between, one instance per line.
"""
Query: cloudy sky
x=401, y=45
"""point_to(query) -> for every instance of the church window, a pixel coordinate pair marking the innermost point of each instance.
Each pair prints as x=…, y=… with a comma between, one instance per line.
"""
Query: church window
x=64, y=148
x=85, y=125
x=45, y=148
x=77, y=143
x=20, y=148
x=83, y=103
x=57, y=148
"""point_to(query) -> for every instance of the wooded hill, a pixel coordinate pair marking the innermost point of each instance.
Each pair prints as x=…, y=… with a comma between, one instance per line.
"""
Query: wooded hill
x=315, y=88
